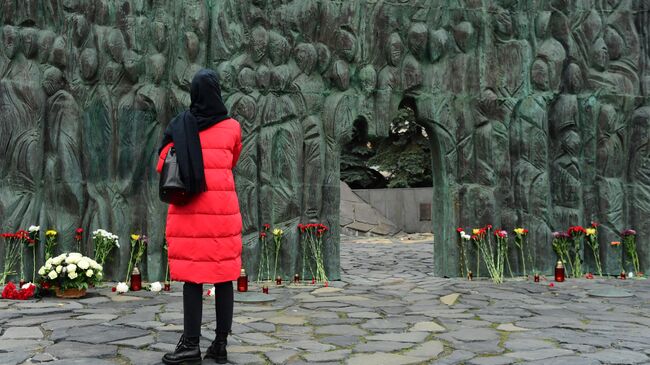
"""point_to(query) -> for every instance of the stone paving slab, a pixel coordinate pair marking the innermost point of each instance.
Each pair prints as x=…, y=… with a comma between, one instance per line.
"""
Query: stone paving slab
x=387, y=309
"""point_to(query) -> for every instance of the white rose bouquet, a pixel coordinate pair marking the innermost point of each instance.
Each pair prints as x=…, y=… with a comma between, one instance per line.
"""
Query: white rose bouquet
x=71, y=270
x=104, y=242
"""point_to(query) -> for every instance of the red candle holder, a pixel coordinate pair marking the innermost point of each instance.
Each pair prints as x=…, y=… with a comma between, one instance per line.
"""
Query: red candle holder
x=559, y=272
x=470, y=276
x=536, y=278
x=136, y=280
x=265, y=289
x=242, y=282
x=278, y=280
x=296, y=279
x=623, y=276
x=167, y=287
x=313, y=281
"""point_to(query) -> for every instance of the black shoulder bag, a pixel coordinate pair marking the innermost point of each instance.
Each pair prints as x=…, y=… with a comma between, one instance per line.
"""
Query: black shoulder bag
x=171, y=189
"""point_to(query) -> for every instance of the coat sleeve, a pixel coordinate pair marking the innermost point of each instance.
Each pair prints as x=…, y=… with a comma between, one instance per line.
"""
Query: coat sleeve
x=163, y=155
x=236, y=151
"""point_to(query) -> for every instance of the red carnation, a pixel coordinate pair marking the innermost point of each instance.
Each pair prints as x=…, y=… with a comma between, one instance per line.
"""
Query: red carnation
x=267, y=226
x=489, y=226
x=263, y=235
x=459, y=229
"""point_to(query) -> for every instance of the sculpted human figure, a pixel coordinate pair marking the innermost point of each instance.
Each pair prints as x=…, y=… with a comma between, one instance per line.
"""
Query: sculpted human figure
x=186, y=68
x=388, y=84
x=417, y=45
x=639, y=176
x=65, y=197
x=566, y=170
x=22, y=108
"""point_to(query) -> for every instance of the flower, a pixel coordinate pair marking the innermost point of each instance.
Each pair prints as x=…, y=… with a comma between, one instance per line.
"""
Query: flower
x=59, y=269
x=278, y=232
x=576, y=230
x=476, y=231
x=595, y=224
x=489, y=226
x=551, y=285
x=83, y=264
x=53, y=274
x=89, y=273
x=459, y=230
x=616, y=243
x=267, y=226
x=135, y=237
x=41, y=271
x=501, y=233
x=466, y=237
x=122, y=288
x=210, y=292
x=27, y=286
x=50, y=233
x=72, y=275
x=628, y=232
x=79, y=231
x=263, y=235
x=590, y=231
x=33, y=229
x=155, y=286
x=589, y=276
x=521, y=231
x=71, y=267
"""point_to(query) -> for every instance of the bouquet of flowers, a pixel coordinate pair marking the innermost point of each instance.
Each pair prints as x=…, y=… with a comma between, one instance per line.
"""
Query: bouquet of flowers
x=71, y=271
x=629, y=243
x=50, y=243
x=494, y=256
x=312, y=242
x=561, y=246
x=104, y=242
x=10, y=291
x=577, y=234
x=13, y=253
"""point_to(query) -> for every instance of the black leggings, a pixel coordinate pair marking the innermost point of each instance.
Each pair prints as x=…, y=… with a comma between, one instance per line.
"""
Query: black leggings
x=193, y=308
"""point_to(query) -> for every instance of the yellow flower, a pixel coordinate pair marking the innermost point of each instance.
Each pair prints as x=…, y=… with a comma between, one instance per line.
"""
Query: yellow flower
x=591, y=231
x=519, y=231
x=135, y=237
x=278, y=232
x=476, y=231
x=50, y=233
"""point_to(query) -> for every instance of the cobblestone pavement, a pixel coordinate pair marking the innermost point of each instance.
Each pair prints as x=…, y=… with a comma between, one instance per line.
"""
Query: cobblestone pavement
x=387, y=310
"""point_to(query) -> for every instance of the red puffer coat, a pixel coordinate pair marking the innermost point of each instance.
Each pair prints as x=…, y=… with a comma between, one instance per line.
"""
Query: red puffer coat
x=204, y=237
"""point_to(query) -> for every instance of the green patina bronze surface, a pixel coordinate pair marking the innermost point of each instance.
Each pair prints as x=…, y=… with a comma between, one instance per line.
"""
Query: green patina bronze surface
x=536, y=111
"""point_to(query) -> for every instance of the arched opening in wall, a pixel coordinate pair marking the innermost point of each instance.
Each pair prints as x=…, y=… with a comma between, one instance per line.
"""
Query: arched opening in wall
x=391, y=175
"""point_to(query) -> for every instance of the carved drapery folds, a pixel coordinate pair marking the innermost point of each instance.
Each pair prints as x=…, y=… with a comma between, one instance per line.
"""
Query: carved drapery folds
x=536, y=111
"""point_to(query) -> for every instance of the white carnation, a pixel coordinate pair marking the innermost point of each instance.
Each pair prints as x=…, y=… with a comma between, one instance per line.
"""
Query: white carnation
x=59, y=268
x=117, y=243
x=52, y=275
x=122, y=288
x=71, y=268
x=83, y=264
x=56, y=261
x=34, y=228
x=48, y=266
x=72, y=275
x=89, y=273
x=156, y=287
x=26, y=286
x=41, y=271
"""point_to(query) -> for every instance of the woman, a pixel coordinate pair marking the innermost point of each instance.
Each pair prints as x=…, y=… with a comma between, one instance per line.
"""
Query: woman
x=204, y=236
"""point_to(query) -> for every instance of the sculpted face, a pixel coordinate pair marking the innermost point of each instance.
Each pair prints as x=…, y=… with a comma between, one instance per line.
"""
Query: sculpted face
x=115, y=45
x=417, y=39
x=438, y=42
x=159, y=35
x=306, y=57
x=45, y=41
x=263, y=78
x=600, y=55
x=395, y=49
x=368, y=79
x=11, y=41
x=53, y=81
x=260, y=42
x=191, y=45
x=30, y=42
x=346, y=44
x=156, y=67
x=539, y=75
x=88, y=59
x=574, y=78
x=279, y=49
x=324, y=57
x=341, y=75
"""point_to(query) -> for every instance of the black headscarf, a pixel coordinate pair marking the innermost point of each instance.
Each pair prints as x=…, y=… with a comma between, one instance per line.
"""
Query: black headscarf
x=206, y=110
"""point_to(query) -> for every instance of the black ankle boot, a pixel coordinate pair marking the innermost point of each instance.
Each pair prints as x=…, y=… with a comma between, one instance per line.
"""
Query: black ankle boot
x=217, y=350
x=187, y=352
